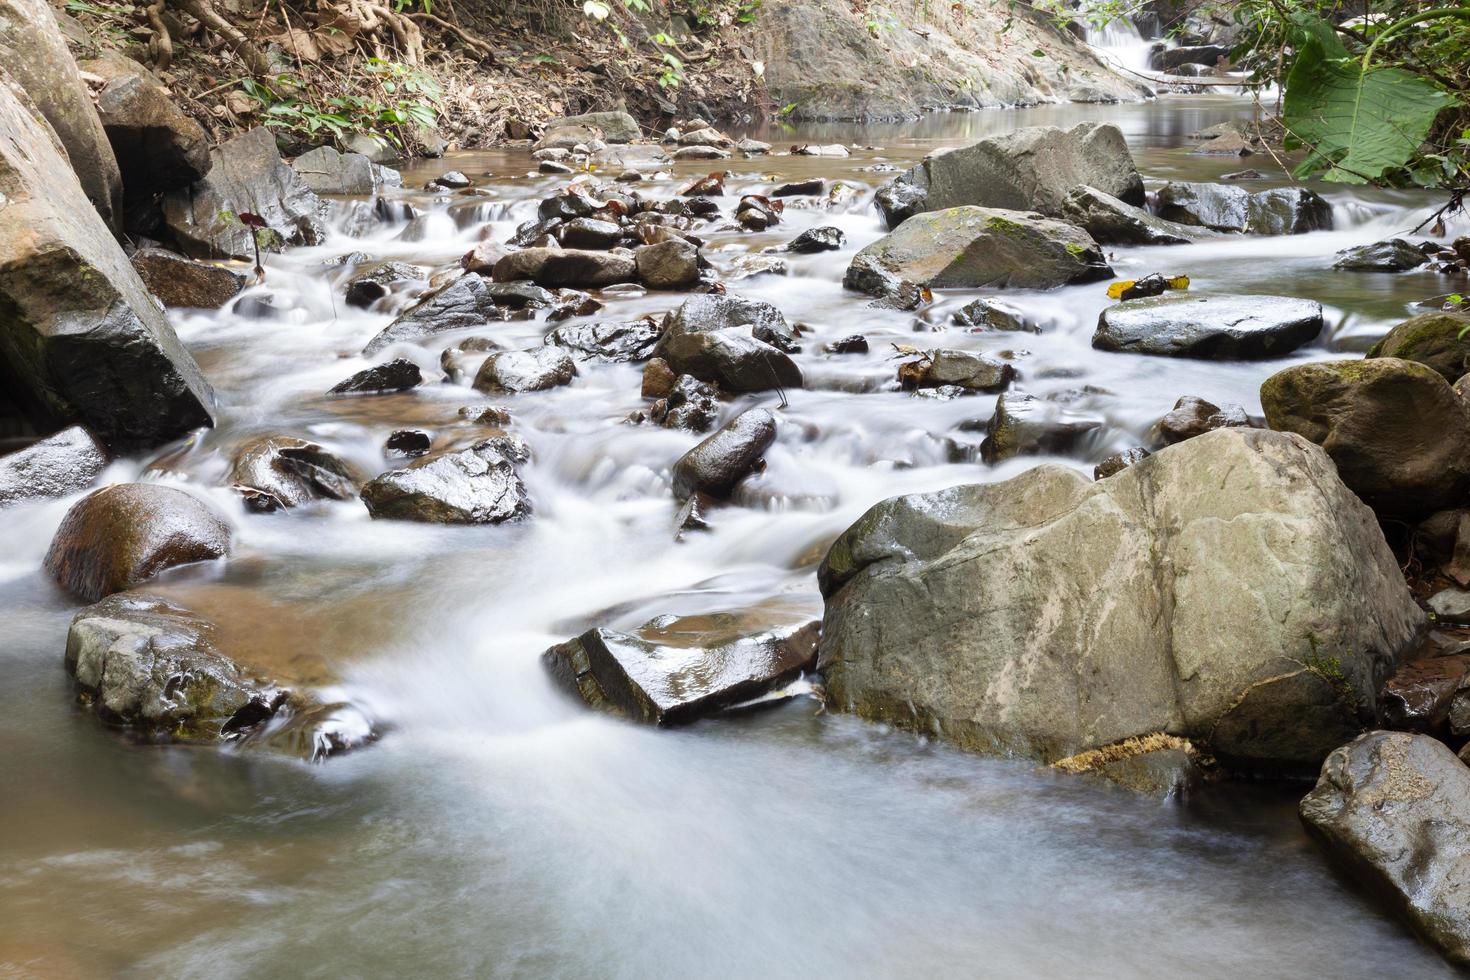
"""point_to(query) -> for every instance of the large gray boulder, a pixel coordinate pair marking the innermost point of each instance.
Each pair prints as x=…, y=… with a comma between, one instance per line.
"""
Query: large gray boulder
x=1025, y=170
x=34, y=55
x=1111, y=221
x=247, y=176
x=738, y=344
x=327, y=171
x=1228, y=590
x=615, y=126
x=158, y=146
x=1214, y=327
x=1230, y=208
x=672, y=671
x=973, y=247
x=1398, y=432
x=80, y=339
x=1394, y=810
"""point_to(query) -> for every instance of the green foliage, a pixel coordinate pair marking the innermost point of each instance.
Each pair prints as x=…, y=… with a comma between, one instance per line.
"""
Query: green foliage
x=1357, y=121
x=396, y=96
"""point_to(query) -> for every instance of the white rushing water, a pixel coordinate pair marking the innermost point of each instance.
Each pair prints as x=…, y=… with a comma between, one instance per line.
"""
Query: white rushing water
x=500, y=830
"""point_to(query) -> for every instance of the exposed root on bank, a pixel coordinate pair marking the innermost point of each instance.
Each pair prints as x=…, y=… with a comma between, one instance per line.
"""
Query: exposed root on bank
x=1094, y=759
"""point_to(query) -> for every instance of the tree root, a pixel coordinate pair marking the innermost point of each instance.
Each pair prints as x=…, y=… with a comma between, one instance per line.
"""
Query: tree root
x=161, y=45
x=248, y=52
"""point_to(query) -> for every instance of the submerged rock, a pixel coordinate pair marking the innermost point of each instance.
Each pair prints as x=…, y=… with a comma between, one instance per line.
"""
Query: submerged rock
x=673, y=671
x=972, y=247
x=1214, y=327
x=1394, y=809
x=278, y=472
x=125, y=534
x=1050, y=615
x=479, y=485
x=1439, y=340
x=718, y=463
x=1399, y=434
x=52, y=467
x=1030, y=169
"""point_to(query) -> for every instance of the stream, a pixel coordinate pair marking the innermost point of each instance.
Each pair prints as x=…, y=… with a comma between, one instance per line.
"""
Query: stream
x=497, y=829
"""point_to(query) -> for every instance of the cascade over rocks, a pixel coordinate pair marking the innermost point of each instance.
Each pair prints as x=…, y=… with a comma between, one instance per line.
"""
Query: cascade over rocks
x=1394, y=810
x=247, y=176
x=735, y=343
x=1030, y=169
x=34, y=57
x=1050, y=615
x=1438, y=340
x=1214, y=327
x=80, y=339
x=52, y=467
x=1231, y=208
x=125, y=534
x=464, y=303
x=277, y=472
x=672, y=671
x=1399, y=434
x=479, y=485
x=973, y=247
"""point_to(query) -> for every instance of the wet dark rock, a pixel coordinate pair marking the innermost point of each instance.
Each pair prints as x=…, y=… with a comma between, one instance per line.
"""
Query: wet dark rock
x=1024, y=170
x=690, y=405
x=278, y=472
x=1193, y=416
x=479, y=485
x=261, y=304
x=610, y=340
x=989, y=314
x=694, y=515
x=247, y=176
x=671, y=264
x=1170, y=59
x=1439, y=340
x=1026, y=425
x=735, y=343
x=51, y=467
x=399, y=374
x=369, y=285
x=519, y=295
x=157, y=145
x=125, y=534
x=570, y=303
x=988, y=614
x=1399, y=434
x=566, y=267
x=971, y=247
x=1419, y=694
x=757, y=213
x=408, y=443
x=1227, y=208
x=1118, y=462
x=969, y=370
x=1214, y=327
x=327, y=171
x=485, y=415
x=824, y=239
x=81, y=341
x=672, y=671
x=721, y=461
x=464, y=303
x=181, y=283
x=811, y=187
x=1394, y=810
x=483, y=256
x=536, y=369
x=1392, y=255
x=590, y=233
x=856, y=344
x=658, y=378
x=1110, y=221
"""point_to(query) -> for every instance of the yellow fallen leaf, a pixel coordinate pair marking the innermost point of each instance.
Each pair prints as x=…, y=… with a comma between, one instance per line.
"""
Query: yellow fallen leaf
x=1117, y=289
x=1178, y=282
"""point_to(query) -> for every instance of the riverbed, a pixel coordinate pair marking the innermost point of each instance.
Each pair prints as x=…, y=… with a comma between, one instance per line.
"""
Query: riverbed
x=498, y=829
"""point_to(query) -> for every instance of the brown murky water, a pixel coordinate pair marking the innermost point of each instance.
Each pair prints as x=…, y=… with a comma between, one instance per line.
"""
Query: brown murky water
x=498, y=830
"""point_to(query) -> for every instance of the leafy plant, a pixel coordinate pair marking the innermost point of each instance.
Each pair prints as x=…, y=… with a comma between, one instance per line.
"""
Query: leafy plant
x=400, y=96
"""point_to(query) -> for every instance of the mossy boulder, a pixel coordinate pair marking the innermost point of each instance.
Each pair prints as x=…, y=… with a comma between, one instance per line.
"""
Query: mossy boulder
x=1399, y=434
x=974, y=247
x=1439, y=340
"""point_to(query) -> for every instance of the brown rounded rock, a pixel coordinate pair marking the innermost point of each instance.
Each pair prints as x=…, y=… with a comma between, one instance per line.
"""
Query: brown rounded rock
x=123, y=535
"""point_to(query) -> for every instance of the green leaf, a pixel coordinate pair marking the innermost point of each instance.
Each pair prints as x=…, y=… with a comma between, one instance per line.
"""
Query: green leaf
x=1356, y=123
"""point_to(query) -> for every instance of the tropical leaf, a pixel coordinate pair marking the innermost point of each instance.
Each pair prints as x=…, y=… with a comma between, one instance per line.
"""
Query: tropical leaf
x=1357, y=122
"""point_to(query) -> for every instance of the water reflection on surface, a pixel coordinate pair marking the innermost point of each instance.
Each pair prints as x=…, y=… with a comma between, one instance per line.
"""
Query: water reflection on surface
x=498, y=830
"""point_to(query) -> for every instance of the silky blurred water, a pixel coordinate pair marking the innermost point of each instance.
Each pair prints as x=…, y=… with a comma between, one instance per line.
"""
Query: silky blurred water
x=500, y=830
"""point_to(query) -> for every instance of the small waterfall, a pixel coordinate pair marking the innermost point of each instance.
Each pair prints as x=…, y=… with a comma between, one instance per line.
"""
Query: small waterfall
x=1118, y=43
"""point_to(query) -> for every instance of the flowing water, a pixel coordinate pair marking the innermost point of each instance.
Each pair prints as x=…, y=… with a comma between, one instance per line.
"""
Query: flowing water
x=499, y=830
